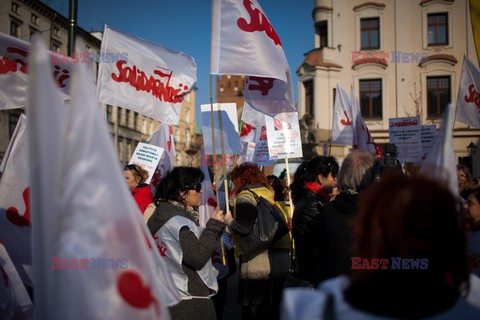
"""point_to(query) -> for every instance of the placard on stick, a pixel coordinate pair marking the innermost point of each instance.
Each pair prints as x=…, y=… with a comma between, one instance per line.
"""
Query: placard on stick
x=147, y=156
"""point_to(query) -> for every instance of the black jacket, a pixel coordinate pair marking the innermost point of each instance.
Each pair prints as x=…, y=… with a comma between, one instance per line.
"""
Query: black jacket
x=306, y=229
x=337, y=234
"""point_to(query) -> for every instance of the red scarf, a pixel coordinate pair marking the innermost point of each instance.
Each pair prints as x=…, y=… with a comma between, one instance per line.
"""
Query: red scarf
x=315, y=188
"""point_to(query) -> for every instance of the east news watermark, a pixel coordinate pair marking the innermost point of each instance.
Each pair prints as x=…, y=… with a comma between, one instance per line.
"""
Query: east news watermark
x=392, y=263
x=98, y=263
x=383, y=57
x=89, y=57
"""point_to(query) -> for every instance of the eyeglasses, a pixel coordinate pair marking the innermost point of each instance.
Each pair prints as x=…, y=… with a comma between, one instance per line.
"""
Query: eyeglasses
x=132, y=167
x=197, y=187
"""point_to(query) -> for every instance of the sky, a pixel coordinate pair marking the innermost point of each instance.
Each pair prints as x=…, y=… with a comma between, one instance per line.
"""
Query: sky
x=185, y=26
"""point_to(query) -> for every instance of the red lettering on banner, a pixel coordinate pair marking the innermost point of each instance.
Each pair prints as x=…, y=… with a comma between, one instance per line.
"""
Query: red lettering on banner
x=345, y=122
x=162, y=248
x=258, y=22
x=473, y=97
x=263, y=84
x=133, y=291
x=15, y=218
x=64, y=75
x=404, y=123
x=7, y=65
x=139, y=80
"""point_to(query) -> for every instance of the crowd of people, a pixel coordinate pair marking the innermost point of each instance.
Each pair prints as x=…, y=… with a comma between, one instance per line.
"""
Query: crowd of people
x=359, y=245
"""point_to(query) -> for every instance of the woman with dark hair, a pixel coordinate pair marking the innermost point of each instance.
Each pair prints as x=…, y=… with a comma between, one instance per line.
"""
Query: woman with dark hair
x=278, y=188
x=410, y=259
x=186, y=247
x=263, y=277
x=472, y=228
x=135, y=176
x=313, y=183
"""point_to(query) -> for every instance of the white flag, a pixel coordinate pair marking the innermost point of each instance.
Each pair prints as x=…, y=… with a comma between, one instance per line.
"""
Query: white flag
x=209, y=203
x=146, y=77
x=440, y=162
x=163, y=137
x=252, y=116
x=468, y=100
x=245, y=43
x=342, y=129
x=93, y=256
x=362, y=139
x=15, y=303
x=14, y=76
x=15, y=226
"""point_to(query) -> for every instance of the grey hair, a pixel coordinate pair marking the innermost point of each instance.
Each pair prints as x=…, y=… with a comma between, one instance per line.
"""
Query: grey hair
x=356, y=172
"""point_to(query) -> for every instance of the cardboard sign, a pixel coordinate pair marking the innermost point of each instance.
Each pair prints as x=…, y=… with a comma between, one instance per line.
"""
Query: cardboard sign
x=147, y=156
x=231, y=140
x=405, y=134
x=284, y=137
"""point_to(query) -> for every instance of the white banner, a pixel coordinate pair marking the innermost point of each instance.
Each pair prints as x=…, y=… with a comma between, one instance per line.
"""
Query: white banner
x=163, y=137
x=284, y=138
x=245, y=43
x=406, y=136
x=229, y=130
x=342, y=129
x=468, y=100
x=87, y=233
x=14, y=76
x=147, y=156
x=147, y=77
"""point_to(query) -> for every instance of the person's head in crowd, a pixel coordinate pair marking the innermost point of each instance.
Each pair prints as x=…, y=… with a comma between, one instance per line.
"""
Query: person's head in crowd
x=134, y=175
x=182, y=184
x=465, y=180
x=321, y=170
x=410, y=217
x=248, y=174
x=472, y=207
x=356, y=172
x=476, y=182
x=278, y=187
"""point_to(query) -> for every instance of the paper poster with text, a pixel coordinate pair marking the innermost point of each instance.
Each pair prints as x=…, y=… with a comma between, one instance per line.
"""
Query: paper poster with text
x=147, y=156
x=261, y=155
x=405, y=134
x=229, y=125
x=284, y=137
x=428, y=134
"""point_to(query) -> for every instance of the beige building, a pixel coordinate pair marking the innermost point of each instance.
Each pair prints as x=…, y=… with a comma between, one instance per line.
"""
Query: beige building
x=22, y=18
x=378, y=48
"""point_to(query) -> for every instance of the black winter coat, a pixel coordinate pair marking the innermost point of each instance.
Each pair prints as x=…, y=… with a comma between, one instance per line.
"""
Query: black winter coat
x=306, y=229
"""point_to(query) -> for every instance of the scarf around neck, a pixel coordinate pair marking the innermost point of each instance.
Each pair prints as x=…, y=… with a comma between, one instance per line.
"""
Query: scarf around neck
x=317, y=189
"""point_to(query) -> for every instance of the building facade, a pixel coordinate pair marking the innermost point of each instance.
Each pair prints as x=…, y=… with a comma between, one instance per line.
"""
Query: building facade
x=403, y=58
x=22, y=18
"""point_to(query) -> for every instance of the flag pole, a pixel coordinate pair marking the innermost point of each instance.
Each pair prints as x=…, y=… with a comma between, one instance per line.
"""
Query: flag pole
x=215, y=162
x=289, y=192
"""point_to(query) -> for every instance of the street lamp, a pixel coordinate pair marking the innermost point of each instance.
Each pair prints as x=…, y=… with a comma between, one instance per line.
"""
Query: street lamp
x=472, y=149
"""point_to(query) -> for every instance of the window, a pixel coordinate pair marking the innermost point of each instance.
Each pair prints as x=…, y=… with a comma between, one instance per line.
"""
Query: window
x=322, y=31
x=109, y=112
x=437, y=29
x=34, y=19
x=56, y=32
x=15, y=29
x=32, y=32
x=135, y=121
x=55, y=47
x=438, y=95
x=334, y=96
x=188, y=138
x=187, y=115
x=370, y=33
x=371, y=98
x=13, y=117
x=15, y=7
x=309, y=97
